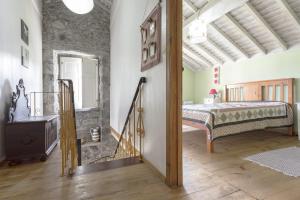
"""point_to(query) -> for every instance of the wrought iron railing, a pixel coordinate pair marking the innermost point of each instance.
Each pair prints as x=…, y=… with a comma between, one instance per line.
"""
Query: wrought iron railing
x=130, y=141
x=36, y=105
x=68, y=136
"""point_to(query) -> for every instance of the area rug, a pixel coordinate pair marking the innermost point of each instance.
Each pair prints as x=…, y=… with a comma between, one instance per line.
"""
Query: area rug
x=286, y=161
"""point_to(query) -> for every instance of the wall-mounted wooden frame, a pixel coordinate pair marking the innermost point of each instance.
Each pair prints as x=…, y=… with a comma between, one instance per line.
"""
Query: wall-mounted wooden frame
x=151, y=39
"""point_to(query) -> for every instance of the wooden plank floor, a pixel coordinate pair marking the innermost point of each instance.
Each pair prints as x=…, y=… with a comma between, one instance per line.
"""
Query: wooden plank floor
x=222, y=175
x=237, y=178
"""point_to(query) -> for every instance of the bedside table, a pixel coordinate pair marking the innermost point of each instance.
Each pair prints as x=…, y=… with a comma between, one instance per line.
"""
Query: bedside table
x=208, y=100
x=211, y=100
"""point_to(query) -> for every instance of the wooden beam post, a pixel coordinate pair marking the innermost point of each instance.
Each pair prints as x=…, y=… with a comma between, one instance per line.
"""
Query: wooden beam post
x=174, y=94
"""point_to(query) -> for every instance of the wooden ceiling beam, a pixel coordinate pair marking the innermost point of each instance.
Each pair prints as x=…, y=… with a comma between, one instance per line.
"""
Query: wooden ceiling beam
x=195, y=64
x=283, y=4
x=205, y=53
x=244, y=32
x=194, y=9
x=220, y=50
x=266, y=25
x=229, y=40
x=190, y=5
x=212, y=10
x=191, y=63
x=202, y=58
x=197, y=57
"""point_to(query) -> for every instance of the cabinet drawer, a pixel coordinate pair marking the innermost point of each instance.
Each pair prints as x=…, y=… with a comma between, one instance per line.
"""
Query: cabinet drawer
x=25, y=139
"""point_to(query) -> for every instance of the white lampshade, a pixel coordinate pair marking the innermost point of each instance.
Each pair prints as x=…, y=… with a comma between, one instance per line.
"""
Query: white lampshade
x=197, y=32
x=79, y=6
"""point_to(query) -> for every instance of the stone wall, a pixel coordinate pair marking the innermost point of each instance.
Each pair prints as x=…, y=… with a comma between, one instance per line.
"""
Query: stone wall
x=86, y=119
x=64, y=30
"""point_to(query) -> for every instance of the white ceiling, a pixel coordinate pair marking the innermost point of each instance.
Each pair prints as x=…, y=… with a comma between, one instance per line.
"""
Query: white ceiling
x=259, y=27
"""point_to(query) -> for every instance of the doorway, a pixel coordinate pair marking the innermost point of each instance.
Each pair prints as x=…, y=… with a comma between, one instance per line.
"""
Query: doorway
x=83, y=71
x=86, y=73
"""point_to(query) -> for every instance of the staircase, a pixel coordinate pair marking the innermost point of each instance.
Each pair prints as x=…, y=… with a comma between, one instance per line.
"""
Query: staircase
x=129, y=147
x=130, y=141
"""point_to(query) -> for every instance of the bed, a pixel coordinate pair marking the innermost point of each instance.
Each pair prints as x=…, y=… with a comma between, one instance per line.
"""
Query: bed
x=247, y=107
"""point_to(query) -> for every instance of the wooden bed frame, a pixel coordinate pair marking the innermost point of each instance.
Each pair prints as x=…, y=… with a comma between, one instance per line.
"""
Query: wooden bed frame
x=268, y=90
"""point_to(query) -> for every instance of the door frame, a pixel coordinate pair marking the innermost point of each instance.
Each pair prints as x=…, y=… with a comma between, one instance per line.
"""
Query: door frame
x=78, y=55
x=174, y=168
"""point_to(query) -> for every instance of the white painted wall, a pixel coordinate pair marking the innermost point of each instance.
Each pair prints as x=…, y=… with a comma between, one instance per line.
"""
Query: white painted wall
x=11, y=13
x=126, y=18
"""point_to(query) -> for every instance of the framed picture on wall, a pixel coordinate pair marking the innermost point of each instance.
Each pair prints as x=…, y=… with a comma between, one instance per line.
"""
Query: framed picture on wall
x=24, y=32
x=144, y=35
x=151, y=39
x=152, y=28
x=152, y=50
x=24, y=57
x=145, y=55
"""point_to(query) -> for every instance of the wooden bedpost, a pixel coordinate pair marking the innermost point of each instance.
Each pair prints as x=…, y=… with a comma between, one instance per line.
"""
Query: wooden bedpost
x=290, y=84
x=210, y=144
x=291, y=131
x=225, y=94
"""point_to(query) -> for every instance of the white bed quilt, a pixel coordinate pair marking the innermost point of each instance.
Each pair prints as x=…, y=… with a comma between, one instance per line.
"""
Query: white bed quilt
x=235, y=117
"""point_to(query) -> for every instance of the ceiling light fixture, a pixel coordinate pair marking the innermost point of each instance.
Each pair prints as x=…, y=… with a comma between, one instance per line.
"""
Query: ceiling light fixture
x=79, y=6
x=197, y=31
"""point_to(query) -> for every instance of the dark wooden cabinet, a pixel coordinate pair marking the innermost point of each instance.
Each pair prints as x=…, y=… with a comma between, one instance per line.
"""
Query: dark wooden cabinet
x=34, y=137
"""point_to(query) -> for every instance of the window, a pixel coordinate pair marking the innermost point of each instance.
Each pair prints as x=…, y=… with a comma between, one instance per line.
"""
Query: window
x=84, y=74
